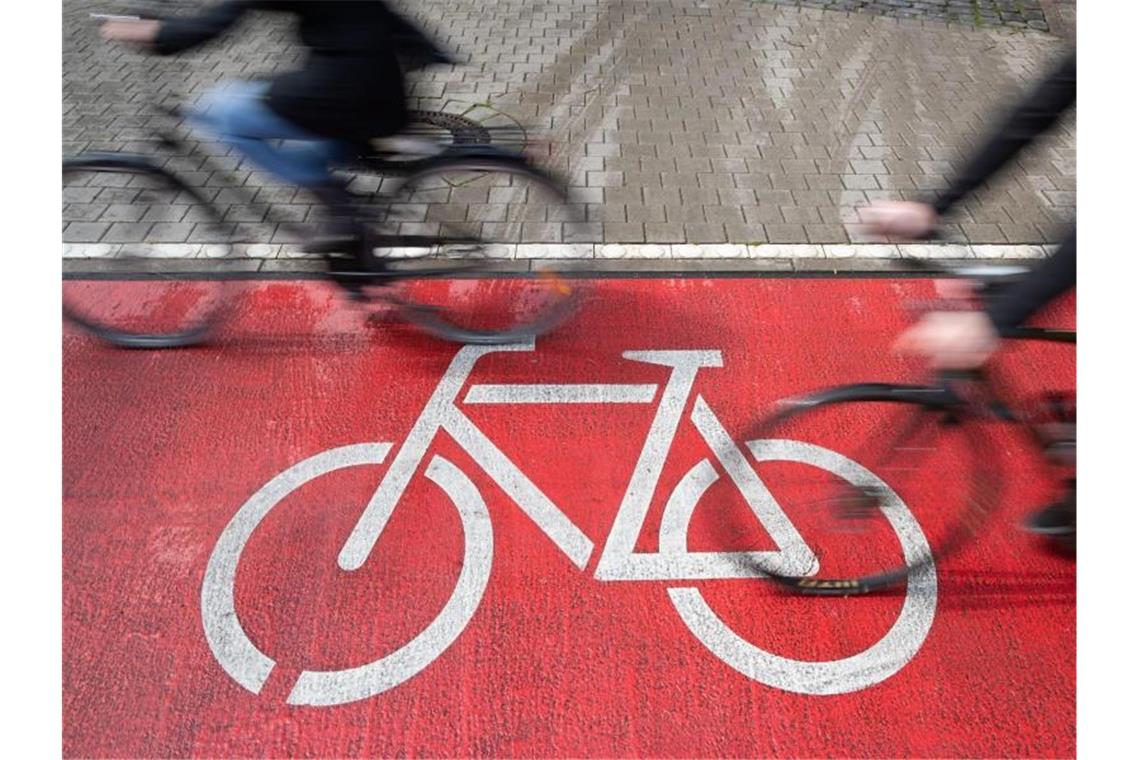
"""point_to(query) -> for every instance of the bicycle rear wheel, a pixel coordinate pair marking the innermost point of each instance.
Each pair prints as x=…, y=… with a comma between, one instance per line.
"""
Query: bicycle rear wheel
x=455, y=221
x=933, y=463
x=125, y=291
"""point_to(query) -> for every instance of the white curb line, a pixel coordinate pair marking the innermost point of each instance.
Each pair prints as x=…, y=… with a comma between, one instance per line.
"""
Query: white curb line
x=547, y=251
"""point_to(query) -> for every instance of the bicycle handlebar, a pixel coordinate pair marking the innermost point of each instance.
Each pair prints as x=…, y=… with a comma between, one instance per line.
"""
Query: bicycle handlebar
x=990, y=277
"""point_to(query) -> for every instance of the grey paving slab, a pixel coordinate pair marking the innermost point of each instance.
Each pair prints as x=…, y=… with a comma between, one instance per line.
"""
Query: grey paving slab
x=1017, y=14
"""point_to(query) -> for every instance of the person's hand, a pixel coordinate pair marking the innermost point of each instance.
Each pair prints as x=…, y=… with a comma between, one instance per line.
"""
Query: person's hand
x=957, y=340
x=142, y=31
x=896, y=219
x=957, y=290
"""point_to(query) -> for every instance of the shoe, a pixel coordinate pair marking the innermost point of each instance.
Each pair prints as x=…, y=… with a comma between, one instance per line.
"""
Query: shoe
x=341, y=231
x=333, y=239
x=1059, y=519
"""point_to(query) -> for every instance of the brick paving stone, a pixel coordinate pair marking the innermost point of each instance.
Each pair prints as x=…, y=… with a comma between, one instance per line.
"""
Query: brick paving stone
x=802, y=214
x=85, y=195
x=788, y=181
x=541, y=232
x=664, y=233
x=295, y=213
x=626, y=232
x=218, y=233
x=700, y=195
x=445, y=212
x=646, y=213
x=786, y=233
x=607, y=213
x=861, y=182
x=755, y=182
x=587, y=232
x=243, y=213
x=766, y=214
x=990, y=233
x=165, y=213
x=826, y=233
x=705, y=233
x=127, y=232
x=83, y=212
x=723, y=214
x=1022, y=233
x=667, y=196
x=745, y=232
x=84, y=232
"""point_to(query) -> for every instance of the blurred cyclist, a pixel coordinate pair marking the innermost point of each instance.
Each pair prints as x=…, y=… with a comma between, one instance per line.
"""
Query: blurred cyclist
x=349, y=89
x=966, y=339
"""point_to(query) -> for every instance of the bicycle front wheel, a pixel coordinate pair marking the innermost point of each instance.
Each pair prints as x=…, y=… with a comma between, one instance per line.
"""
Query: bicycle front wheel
x=925, y=458
x=457, y=222
x=119, y=283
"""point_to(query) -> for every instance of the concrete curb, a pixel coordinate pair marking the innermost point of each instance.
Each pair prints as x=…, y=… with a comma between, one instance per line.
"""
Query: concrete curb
x=582, y=257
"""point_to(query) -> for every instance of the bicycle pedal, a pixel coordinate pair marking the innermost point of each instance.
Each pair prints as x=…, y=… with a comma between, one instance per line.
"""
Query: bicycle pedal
x=354, y=292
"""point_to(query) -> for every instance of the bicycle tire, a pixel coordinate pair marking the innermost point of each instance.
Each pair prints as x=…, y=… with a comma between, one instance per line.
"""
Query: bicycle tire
x=836, y=417
x=433, y=257
x=120, y=296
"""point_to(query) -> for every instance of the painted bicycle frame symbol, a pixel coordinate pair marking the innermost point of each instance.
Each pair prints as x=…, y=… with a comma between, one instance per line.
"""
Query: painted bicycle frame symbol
x=250, y=667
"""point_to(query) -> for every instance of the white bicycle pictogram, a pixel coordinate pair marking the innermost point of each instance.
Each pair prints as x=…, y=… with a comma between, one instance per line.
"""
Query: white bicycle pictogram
x=672, y=562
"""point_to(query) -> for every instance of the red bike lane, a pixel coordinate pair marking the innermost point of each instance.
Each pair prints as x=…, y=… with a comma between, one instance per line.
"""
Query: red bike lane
x=525, y=591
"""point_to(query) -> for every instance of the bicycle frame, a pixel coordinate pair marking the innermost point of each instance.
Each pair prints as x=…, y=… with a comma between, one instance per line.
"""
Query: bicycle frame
x=990, y=402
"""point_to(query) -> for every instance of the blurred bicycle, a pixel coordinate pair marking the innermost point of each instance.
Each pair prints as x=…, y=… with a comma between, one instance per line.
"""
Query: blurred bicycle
x=399, y=247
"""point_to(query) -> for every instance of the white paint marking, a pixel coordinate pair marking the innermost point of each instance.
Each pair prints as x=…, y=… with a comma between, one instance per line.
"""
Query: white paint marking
x=647, y=472
x=599, y=393
x=232, y=648
x=338, y=687
x=247, y=665
x=376, y=515
x=531, y=500
x=867, y=668
x=795, y=555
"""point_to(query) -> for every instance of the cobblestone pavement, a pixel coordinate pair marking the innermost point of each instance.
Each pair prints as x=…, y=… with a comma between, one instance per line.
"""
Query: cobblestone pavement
x=677, y=121
x=1020, y=14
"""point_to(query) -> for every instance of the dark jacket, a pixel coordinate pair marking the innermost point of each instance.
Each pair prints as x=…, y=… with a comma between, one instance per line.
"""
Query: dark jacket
x=350, y=85
x=1034, y=115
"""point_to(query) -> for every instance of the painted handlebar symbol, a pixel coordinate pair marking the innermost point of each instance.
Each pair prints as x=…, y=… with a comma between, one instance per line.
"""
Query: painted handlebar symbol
x=250, y=667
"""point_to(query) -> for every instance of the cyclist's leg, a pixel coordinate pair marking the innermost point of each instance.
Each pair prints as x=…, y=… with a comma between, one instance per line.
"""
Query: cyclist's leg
x=1052, y=277
x=236, y=114
x=1059, y=519
x=1057, y=523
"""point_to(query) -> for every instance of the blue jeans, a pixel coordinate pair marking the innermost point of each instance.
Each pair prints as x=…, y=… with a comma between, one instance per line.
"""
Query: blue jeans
x=235, y=113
